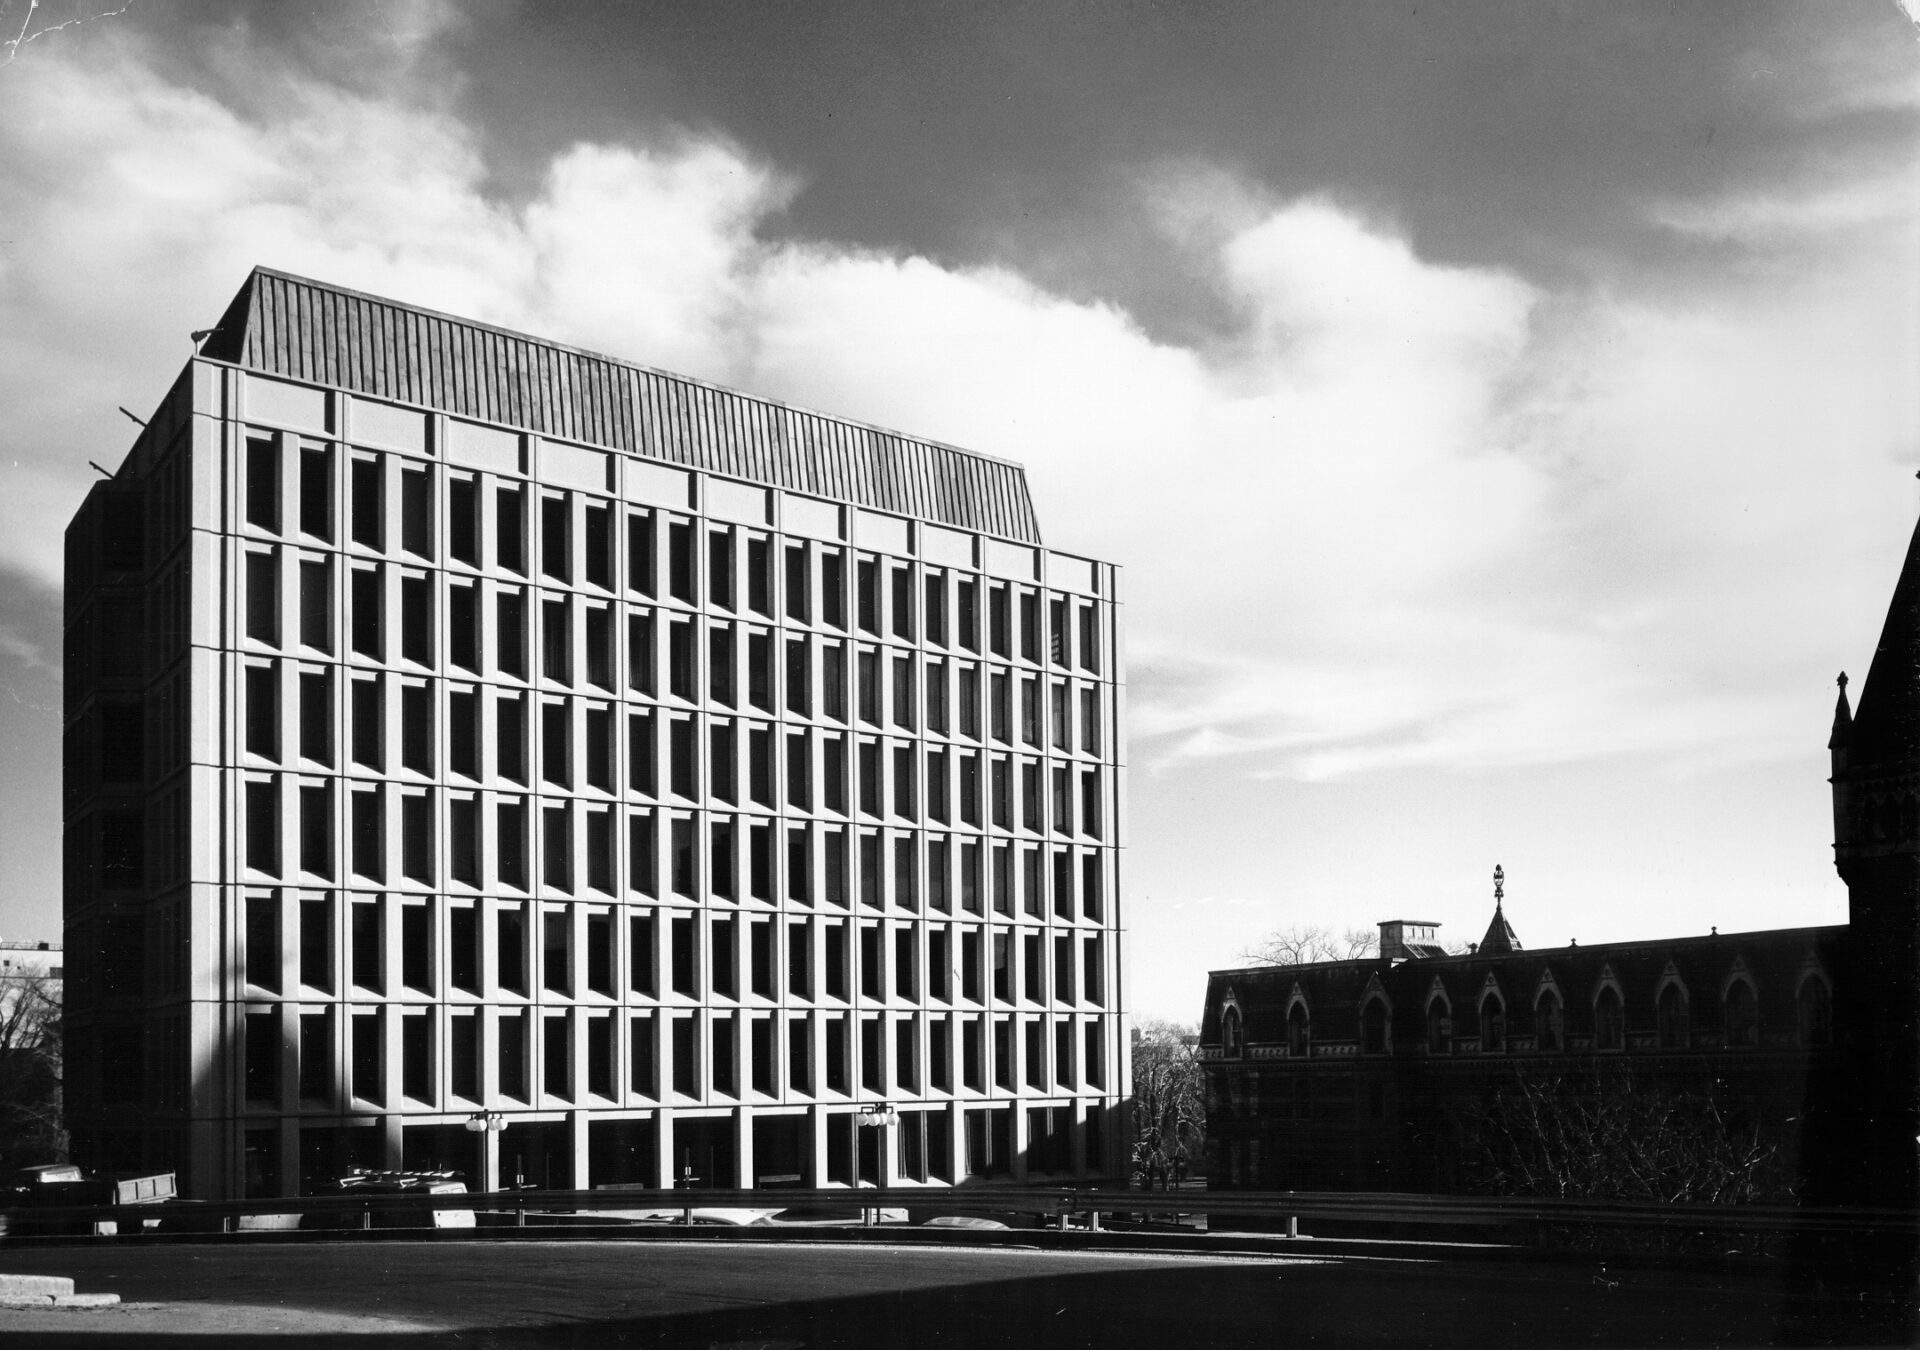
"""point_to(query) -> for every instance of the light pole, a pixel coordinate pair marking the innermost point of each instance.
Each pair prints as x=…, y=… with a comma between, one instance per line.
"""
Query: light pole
x=488, y=1125
x=877, y=1117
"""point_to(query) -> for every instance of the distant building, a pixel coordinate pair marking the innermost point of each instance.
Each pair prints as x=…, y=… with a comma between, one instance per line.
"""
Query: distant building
x=466, y=731
x=1360, y=1074
x=29, y=965
x=31, y=960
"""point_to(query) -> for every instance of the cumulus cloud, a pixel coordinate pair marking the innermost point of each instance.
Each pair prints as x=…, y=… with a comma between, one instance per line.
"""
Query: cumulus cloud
x=651, y=250
x=1404, y=513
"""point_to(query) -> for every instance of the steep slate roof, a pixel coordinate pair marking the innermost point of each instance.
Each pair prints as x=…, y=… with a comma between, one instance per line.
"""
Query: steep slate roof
x=1774, y=961
x=307, y=330
x=1262, y=994
x=1886, y=725
x=1500, y=939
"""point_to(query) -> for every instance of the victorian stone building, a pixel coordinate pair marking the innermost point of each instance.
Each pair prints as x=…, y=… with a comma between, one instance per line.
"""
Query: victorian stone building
x=1368, y=1074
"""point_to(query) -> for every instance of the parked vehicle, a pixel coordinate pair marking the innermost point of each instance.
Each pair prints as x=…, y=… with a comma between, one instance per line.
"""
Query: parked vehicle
x=422, y=1184
x=50, y=1186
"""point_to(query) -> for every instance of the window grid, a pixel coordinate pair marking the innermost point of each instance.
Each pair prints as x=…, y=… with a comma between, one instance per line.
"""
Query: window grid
x=523, y=654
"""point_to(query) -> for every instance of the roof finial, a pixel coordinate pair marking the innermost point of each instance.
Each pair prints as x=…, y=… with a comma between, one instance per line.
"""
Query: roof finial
x=1500, y=939
x=1842, y=718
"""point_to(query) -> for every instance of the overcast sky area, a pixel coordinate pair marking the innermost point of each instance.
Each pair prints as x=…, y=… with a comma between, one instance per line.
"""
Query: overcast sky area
x=1507, y=414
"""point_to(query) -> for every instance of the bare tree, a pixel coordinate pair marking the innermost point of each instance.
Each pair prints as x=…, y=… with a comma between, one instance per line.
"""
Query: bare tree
x=1604, y=1136
x=1303, y=944
x=32, y=1129
x=1169, y=1103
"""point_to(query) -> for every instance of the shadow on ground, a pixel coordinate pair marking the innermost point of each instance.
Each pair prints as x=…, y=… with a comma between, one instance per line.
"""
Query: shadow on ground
x=1184, y=1304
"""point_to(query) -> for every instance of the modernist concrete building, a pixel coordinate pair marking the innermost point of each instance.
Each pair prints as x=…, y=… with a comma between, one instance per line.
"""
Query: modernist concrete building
x=465, y=730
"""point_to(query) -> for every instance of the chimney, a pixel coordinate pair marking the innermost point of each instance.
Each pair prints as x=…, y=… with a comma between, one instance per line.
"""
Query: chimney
x=1392, y=945
x=1408, y=939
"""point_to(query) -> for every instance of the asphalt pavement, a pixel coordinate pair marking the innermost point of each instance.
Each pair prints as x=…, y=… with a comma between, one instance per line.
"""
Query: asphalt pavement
x=726, y=1296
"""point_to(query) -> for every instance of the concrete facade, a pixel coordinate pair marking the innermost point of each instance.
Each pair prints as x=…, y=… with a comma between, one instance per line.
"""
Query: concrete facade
x=424, y=767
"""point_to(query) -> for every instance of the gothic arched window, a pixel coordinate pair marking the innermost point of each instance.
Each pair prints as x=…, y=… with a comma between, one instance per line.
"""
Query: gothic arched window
x=1373, y=1027
x=1550, y=1022
x=1439, y=1027
x=1671, y=1017
x=1233, y=1036
x=1299, y=1031
x=1816, y=1012
x=1493, y=1025
x=1609, y=1021
x=1742, y=1016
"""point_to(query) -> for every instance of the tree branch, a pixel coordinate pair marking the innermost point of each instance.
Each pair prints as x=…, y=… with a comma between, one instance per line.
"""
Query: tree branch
x=24, y=36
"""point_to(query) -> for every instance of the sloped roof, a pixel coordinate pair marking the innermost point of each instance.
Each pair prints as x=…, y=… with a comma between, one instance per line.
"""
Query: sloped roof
x=308, y=330
x=1886, y=723
x=1772, y=960
x=1500, y=939
x=1263, y=993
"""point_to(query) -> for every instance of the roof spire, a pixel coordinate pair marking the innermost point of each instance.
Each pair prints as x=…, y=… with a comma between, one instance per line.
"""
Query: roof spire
x=1500, y=940
x=1842, y=717
x=1885, y=728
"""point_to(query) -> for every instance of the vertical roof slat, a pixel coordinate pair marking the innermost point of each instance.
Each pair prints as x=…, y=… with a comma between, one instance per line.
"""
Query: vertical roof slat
x=324, y=335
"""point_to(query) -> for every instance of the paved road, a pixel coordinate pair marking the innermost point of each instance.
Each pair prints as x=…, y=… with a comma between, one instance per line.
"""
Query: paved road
x=711, y=1295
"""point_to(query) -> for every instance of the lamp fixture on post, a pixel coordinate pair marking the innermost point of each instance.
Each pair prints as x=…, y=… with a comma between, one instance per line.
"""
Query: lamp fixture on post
x=879, y=1115
x=482, y=1121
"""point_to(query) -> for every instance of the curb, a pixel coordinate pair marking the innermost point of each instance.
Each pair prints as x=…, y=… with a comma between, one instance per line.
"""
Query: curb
x=48, y=1291
x=34, y=1287
x=60, y=1301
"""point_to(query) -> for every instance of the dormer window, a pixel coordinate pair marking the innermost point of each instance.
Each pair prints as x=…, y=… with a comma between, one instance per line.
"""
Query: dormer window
x=1493, y=1025
x=1742, y=1017
x=1373, y=1028
x=1672, y=1019
x=1816, y=1012
x=1299, y=1031
x=1550, y=1022
x=1233, y=1035
x=1609, y=1021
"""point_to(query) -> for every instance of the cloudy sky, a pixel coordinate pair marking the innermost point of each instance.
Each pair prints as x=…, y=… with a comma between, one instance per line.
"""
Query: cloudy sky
x=1507, y=414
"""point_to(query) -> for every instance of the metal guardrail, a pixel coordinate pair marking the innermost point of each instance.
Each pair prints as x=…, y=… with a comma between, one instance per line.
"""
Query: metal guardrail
x=1522, y=1212
x=1052, y=1202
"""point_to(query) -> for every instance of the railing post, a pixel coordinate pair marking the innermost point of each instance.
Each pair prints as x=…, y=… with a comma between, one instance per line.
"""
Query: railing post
x=1293, y=1225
